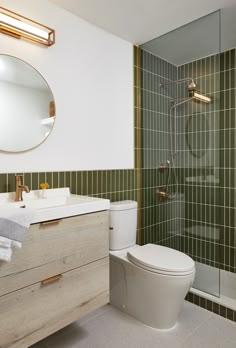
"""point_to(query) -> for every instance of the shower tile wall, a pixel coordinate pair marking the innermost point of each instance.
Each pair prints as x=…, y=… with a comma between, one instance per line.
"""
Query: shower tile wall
x=201, y=219
x=159, y=220
x=227, y=169
x=198, y=161
x=206, y=162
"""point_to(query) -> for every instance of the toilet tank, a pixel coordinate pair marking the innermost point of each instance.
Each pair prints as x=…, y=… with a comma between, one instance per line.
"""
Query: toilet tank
x=123, y=224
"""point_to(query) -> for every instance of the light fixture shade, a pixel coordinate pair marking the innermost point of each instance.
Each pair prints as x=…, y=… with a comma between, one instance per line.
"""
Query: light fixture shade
x=19, y=27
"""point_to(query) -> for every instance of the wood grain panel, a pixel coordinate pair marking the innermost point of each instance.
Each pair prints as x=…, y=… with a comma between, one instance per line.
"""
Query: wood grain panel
x=52, y=249
x=32, y=313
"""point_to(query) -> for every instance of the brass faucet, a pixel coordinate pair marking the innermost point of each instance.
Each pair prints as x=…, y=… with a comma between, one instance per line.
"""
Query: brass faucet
x=20, y=188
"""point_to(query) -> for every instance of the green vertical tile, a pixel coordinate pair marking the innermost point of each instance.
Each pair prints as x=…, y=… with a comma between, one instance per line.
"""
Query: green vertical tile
x=129, y=179
x=85, y=183
x=99, y=181
x=230, y=314
x=135, y=51
x=3, y=183
x=79, y=183
x=35, y=181
x=113, y=197
x=112, y=178
x=125, y=178
x=209, y=306
x=49, y=178
x=61, y=179
x=109, y=181
x=55, y=180
x=68, y=177
x=73, y=182
x=27, y=180
x=95, y=182
x=42, y=178
x=117, y=180
x=104, y=181
x=122, y=196
x=203, y=302
x=196, y=299
x=90, y=182
x=121, y=180
x=223, y=311
x=135, y=97
x=11, y=183
x=216, y=308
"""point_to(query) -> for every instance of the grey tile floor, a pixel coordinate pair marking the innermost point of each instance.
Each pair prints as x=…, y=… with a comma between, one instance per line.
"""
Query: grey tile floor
x=110, y=328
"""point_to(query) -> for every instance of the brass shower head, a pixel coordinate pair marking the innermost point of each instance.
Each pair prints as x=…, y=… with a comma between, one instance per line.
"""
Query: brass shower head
x=197, y=96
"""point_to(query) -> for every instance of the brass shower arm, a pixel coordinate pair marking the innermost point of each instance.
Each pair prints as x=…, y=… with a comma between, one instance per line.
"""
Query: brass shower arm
x=177, y=81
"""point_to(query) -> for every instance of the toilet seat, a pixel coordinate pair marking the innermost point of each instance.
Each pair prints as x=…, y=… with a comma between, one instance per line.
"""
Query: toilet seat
x=162, y=260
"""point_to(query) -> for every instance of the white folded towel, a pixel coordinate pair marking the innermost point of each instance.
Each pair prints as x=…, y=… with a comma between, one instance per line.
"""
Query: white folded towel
x=14, y=223
x=8, y=243
x=5, y=254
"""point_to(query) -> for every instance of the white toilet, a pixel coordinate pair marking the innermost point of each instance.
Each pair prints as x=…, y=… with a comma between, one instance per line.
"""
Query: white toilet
x=147, y=282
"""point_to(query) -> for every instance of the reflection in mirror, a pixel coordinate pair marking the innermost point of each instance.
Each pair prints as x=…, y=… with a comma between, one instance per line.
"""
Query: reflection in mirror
x=197, y=134
x=27, y=107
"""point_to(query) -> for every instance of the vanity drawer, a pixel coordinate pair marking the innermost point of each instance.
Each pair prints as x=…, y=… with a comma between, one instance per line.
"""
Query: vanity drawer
x=56, y=247
x=30, y=314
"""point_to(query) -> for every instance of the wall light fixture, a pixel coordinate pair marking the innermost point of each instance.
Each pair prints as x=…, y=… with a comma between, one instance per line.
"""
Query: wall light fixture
x=19, y=27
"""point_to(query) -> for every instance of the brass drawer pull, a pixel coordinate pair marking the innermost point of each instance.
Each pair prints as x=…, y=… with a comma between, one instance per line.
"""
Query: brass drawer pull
x=52, y=279
x=51, y=222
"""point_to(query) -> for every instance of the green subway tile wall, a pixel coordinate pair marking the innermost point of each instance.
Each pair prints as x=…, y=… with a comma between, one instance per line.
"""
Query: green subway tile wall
x=200, y=221
x=212, y=306
x=159, y=220
x=206, y=162
x=111, y=184
x=198, y=162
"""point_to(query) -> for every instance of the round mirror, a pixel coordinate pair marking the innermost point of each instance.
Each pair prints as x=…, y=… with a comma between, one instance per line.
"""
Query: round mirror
x=27, y=107
x=197, y=134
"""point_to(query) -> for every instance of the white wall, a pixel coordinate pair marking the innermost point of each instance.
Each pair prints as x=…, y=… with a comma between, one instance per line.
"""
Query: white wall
x=90, y=74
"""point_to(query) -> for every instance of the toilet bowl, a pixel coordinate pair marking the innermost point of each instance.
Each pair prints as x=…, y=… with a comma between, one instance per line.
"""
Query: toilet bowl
x=147, y=282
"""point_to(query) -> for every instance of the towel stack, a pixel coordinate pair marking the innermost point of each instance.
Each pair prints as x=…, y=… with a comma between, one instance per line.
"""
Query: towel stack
x=14, y=223
x=6, y=246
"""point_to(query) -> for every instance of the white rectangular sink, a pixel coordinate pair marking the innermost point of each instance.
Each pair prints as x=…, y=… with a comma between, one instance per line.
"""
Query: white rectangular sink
x=58, y=204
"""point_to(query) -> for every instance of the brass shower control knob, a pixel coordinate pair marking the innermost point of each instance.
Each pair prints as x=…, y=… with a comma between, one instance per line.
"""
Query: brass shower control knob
x=162, y=196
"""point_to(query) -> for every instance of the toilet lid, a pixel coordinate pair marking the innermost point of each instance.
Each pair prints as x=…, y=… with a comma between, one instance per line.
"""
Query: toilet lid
x=159, y=259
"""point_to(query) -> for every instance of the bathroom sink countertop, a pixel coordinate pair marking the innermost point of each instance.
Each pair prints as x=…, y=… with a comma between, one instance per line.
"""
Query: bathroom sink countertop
x=59, y=203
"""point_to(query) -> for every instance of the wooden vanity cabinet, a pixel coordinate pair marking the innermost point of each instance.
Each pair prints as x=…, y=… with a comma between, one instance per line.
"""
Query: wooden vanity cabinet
x=60, y=274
